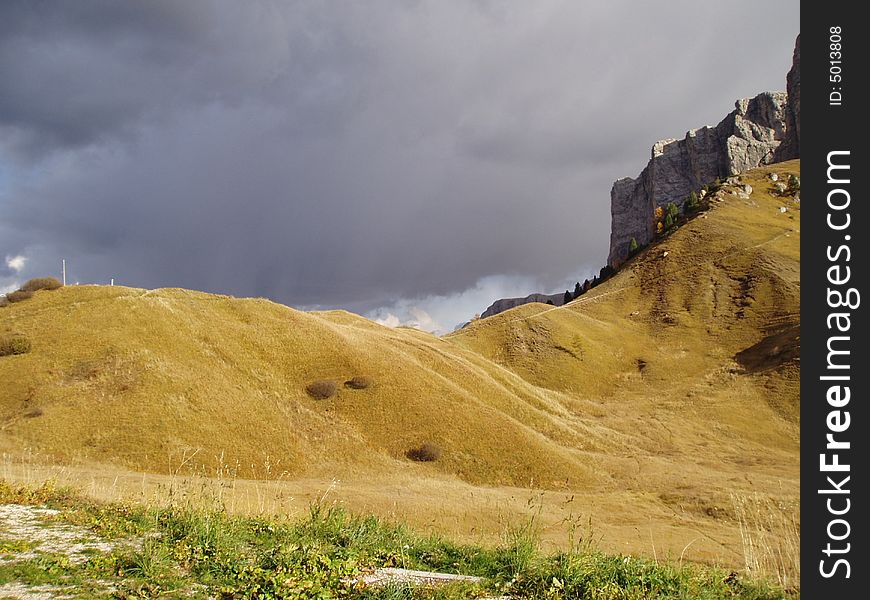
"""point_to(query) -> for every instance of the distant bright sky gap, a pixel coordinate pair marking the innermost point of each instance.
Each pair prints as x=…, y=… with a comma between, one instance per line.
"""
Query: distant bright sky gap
x=411, y=161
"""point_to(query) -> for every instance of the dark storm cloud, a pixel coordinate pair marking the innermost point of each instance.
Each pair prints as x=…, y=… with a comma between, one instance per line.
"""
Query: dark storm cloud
x=349, y=154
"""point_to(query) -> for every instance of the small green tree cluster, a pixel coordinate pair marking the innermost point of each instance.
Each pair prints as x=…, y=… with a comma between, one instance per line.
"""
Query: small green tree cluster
x=671, y=214
x=692, y=204
x=713, y=187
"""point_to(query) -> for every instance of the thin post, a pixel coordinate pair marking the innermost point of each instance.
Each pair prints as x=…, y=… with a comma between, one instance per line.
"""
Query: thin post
x=63, y=262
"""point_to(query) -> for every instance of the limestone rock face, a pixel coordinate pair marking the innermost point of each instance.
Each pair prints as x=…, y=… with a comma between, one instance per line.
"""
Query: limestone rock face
x=508, y=303
x=759, y=131
x=747, y=138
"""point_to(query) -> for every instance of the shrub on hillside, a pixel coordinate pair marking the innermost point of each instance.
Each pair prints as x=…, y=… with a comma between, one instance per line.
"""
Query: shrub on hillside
x=692, y=203
x=360, y=382
x=321, y=389
x=18, y=296
x=713, y=187
x=672, y=212
x=426, y=452
x=41, y=283
x=12, y=344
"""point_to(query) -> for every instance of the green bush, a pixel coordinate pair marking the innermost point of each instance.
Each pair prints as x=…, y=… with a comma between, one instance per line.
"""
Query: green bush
x=41, y=283
x=633, y=247
x=322, y=389
x=692, y=203
x=360, y=382
x=18, y=296
x=426, y=452
x=794, y=183
x=15, y=343
x=713, y=186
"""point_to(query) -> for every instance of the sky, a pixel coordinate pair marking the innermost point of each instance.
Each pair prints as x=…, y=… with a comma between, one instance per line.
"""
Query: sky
x=411, y=161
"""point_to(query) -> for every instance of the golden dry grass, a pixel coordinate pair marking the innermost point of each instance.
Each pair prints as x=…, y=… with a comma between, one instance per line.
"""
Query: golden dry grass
x=647, y=404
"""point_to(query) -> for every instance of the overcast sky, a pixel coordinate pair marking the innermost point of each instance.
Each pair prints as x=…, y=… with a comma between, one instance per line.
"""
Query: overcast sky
x=406, y=160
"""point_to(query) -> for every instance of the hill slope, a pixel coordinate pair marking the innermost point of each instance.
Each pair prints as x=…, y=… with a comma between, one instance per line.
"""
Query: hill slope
x=689, y=356
x=144, y=377
x=666, y=389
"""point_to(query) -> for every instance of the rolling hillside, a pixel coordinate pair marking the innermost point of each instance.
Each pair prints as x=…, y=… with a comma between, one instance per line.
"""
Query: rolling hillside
x=664, y=391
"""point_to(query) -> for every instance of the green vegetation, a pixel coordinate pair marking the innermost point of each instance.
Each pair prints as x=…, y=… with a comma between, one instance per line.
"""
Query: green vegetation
x=692, y=203
x=633, y=247
x=713, y=187
x=12, y=344
x=794, y=184
x=177, y=551
x=672, y=212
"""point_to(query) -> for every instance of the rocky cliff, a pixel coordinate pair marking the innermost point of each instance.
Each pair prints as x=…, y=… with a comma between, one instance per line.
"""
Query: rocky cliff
x=791, y=147
x=759, y=131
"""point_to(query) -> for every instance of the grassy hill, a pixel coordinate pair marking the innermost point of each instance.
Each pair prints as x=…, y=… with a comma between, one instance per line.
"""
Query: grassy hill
x=662, y=397
x=143, y=377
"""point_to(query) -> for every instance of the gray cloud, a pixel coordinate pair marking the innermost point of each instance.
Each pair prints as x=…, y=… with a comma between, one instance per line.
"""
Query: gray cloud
x=350, y=155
